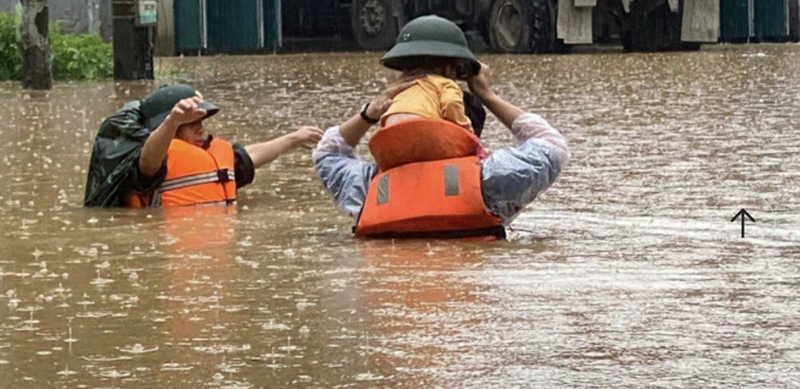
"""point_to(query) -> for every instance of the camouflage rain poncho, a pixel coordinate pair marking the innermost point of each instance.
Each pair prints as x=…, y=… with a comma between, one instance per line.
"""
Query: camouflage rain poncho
x=113, y=170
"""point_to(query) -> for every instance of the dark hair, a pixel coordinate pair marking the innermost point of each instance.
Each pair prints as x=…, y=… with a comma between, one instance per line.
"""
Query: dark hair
x=474, y=110
x=431, y=64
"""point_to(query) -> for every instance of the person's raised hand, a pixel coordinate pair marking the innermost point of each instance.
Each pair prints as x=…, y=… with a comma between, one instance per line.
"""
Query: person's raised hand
x=481, y=83
x=381, y=103
x=187, y=111
x=307, y=137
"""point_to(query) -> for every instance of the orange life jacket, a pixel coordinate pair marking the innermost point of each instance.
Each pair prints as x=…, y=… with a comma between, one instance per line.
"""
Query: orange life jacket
x=421, y=140
x=431, y=185
x=194, y=176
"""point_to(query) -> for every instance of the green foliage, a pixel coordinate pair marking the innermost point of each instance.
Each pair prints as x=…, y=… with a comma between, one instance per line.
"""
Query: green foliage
x=169, y=71
x=81, y=57
x=10, y=48
x=75, y=57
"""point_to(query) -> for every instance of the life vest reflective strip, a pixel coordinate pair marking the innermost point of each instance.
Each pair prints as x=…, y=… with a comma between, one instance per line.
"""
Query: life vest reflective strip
x=191, y=178
x=198, y=176
x=437, y=197
x=201, y=178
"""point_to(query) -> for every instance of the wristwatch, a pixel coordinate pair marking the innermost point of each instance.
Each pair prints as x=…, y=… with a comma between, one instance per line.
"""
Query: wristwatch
x=367, y=118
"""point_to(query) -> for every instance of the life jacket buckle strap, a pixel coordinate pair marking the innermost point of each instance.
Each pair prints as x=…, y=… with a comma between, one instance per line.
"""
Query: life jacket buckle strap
x=222, y=175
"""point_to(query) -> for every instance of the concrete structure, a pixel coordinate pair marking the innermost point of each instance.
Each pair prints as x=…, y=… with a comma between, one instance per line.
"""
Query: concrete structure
x=76, y=16
x=165, y=36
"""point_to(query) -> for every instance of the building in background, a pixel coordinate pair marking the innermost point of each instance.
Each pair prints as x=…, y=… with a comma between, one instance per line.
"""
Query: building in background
x=506, y=26
x=253, y=26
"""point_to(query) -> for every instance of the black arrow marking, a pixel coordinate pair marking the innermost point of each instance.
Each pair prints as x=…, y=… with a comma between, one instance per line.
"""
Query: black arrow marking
x=743, y=213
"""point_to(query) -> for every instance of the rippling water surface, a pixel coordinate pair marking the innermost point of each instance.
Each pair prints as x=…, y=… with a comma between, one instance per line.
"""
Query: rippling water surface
x=627, y=274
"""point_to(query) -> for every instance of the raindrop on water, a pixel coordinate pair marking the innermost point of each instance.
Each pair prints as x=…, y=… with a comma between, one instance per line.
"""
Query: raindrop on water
x=138, y=349
x=66, y=371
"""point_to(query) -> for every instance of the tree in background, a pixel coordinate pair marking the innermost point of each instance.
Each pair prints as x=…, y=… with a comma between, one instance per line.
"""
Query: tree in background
x=36, y=68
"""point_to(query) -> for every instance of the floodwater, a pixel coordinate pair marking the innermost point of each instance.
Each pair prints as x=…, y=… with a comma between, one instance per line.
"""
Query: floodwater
x=628, y=273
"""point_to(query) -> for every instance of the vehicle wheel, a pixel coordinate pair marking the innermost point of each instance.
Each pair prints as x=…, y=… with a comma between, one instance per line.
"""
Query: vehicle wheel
x=374, y=27
x=510, y=25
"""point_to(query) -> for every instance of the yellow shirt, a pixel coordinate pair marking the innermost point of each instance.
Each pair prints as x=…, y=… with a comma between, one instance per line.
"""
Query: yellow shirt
x=432, y=97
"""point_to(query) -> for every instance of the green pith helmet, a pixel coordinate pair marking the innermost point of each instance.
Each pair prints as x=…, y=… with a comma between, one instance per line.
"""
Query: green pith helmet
x=159, y=104
x=431, y=36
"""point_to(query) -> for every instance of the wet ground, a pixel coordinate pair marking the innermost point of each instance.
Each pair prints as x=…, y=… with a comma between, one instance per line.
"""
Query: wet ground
x=628, y=273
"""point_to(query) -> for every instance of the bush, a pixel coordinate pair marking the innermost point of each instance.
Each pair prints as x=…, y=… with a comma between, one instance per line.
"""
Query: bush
x=10, y=48
x=80, y=57
x=74, y=57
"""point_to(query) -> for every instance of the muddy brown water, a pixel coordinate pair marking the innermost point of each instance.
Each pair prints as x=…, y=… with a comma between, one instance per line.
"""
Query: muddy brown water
x=628, y=273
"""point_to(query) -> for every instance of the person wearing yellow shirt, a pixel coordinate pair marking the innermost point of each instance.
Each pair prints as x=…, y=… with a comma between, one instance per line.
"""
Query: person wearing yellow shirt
x=435, y=94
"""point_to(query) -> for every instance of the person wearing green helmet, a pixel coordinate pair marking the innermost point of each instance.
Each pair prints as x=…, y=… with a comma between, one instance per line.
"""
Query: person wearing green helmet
x=432, y=51
x=156, y=152
x=510, y=178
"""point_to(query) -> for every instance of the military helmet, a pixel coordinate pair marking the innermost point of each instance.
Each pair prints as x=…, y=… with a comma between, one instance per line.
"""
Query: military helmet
x=430, y=36
x=158, y=105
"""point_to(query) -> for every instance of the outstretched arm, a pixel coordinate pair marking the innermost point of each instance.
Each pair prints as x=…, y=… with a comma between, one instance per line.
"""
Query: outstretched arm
x=266, y=152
